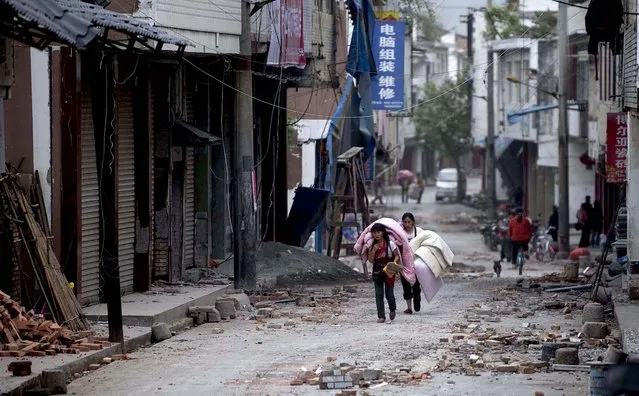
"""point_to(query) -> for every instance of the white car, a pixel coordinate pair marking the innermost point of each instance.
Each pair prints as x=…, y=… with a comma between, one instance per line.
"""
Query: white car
x=446, y=185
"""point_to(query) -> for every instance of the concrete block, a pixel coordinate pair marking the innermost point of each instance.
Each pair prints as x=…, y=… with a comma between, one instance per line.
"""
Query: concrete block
x=226, y=307
x=567, y=356
x=160, y=332
x=593, y=312
x=597, y=330
x=55, y=381
x=242, y=301
x=614, y=356
x=213, y=316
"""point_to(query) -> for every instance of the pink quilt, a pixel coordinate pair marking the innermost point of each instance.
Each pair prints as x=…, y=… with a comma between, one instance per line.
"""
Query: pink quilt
x=397, y=235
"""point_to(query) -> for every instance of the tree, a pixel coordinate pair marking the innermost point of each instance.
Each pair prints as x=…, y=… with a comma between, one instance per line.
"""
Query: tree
x=504, y=22
x=443, y=124
x=429, y=26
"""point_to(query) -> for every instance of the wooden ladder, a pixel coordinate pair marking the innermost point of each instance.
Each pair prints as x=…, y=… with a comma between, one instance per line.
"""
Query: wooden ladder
x=349, y=198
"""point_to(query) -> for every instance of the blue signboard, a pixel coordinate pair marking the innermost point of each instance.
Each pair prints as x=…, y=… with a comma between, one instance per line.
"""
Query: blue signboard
x=388, y=50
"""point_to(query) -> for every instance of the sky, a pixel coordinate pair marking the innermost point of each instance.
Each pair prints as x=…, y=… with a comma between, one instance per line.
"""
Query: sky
x=450, y=10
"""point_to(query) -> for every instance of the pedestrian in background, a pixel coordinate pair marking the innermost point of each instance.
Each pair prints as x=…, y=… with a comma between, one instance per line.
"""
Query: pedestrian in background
x=405, y=184
x=383, y=252
x=520, y=231
x=378, y=185
x=596, y=223
x=421, y=186
x=583, y=223
x=412, y=294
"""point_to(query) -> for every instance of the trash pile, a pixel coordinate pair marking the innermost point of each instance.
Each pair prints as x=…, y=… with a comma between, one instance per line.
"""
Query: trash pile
x=24, y=333
x=28, y=238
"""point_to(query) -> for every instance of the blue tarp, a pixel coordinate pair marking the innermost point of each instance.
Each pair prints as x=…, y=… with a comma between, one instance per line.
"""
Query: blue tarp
x=360, y=54
x=337, y=127
x=307, y=212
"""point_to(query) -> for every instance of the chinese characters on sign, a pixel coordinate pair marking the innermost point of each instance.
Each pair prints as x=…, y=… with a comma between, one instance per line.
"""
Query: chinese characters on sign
x=616, y=147
x=287, y=34
x=388, y=49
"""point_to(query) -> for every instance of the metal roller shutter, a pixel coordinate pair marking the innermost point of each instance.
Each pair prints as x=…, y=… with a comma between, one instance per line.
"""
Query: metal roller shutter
x=189, y=208
x=89, y=210
x=126, y=189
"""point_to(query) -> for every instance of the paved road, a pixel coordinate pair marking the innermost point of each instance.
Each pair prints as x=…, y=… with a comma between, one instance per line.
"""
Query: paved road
x=247, y=361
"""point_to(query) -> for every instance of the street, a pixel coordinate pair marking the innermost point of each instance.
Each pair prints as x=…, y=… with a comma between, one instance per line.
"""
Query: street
x=249, y=357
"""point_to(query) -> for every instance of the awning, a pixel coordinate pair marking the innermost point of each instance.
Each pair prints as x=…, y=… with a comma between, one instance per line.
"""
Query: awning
x=192, y=135
x=38, y=23
x=516, y=117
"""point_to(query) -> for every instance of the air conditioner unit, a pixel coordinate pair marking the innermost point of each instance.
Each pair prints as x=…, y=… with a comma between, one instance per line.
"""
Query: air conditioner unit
x=7, y=71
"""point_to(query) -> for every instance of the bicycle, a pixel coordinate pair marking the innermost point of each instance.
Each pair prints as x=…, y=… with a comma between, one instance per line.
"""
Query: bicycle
x=544, y=249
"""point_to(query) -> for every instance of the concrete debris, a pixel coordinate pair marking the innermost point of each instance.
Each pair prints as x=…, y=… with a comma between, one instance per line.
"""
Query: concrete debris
x=568, y=356
x=160, y=332
x=593, y=312
x=597, y=330
x=226, y=307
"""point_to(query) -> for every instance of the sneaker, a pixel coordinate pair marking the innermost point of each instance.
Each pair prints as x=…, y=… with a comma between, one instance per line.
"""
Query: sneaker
x=407, y=312
x=381, y=320
x=392, y=316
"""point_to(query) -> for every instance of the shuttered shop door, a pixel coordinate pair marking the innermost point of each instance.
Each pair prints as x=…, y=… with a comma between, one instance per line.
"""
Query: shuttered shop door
x=126, y=190
x=89, y=210
x=189, y=207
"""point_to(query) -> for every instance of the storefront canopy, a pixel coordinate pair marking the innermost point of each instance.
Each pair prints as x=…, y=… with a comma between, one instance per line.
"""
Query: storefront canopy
x=39, y=23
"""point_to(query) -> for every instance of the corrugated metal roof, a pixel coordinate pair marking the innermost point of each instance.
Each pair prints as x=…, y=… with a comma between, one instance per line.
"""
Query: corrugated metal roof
x=77, y=23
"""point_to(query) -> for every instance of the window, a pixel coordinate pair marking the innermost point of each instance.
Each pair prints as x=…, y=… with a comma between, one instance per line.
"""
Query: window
x=319, y=5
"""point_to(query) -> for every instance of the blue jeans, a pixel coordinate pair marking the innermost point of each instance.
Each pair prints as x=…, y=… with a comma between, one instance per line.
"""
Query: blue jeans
x=595, y=238
x=382, y=288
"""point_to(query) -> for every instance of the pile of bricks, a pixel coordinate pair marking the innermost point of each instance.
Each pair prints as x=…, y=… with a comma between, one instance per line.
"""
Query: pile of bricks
x=335, y=379
x=23, y=333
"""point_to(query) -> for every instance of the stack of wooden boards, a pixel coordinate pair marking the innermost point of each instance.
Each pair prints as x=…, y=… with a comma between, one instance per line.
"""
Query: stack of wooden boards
x=23, y=333
x=31, y=241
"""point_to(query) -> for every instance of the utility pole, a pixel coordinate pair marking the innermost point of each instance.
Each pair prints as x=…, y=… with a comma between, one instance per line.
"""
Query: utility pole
x=562, y=135
x=244, y=231
x=490, y=140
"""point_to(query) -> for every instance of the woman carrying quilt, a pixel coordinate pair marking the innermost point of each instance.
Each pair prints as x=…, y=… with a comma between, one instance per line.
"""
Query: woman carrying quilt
x=412, y=293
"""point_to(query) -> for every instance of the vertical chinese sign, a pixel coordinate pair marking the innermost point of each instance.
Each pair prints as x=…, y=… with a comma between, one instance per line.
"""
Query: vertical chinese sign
x=616, y=147
x=388, y=49
x=287, y=34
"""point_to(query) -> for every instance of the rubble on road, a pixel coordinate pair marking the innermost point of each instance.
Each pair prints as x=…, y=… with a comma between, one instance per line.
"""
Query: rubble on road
x=476, y=345
x=324, y=307
x=346, y=375
x=24, y=333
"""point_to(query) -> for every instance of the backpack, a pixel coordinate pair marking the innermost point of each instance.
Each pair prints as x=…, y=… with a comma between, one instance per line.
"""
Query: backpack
x=603, y=24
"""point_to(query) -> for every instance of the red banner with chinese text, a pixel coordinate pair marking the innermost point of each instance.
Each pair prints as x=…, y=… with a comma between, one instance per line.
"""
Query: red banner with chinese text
x=616, y=147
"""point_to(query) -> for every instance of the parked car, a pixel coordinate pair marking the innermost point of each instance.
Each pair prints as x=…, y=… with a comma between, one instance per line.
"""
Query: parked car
x=446, y=184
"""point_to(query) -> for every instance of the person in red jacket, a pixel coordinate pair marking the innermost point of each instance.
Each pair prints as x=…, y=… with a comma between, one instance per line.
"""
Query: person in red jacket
x=520, y=231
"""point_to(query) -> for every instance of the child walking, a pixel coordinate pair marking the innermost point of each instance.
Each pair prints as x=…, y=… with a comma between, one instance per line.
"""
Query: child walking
x=383, y=252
